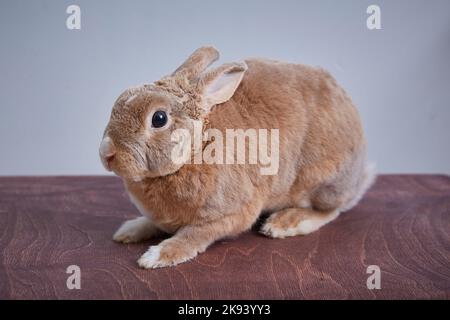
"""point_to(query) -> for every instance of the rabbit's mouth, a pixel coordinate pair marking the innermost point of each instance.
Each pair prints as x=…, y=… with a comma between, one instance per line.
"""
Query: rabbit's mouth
x=148, y=172
x=146, y=176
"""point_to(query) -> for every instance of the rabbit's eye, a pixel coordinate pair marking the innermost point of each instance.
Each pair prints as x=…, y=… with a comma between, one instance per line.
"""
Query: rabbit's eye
x=159, y=119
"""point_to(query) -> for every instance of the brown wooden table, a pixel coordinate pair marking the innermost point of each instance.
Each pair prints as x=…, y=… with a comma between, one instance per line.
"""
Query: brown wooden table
x=48, y=223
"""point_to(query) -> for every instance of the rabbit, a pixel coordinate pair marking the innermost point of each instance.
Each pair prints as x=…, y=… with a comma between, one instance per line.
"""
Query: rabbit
x=323, y=168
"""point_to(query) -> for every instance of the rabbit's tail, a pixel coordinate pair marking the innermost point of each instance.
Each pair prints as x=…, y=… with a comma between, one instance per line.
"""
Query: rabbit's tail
x=367, y=180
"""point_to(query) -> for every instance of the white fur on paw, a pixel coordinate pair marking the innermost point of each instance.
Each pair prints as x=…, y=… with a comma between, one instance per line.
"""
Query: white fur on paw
x=150, y=259
x=304, y=227
x=133, y=231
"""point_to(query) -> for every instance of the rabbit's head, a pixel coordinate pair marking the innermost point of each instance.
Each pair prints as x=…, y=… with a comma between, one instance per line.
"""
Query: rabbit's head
x=138, y=141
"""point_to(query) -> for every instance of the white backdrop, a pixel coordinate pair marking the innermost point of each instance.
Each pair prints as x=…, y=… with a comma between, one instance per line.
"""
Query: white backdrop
x=57, y=86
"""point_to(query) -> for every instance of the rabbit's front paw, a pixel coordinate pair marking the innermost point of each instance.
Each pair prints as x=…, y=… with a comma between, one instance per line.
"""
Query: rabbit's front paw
x=165, y=255
x=135, y=230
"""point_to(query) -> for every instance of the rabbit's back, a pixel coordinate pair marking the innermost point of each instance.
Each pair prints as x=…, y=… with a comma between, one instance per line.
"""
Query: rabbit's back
x=320, y=132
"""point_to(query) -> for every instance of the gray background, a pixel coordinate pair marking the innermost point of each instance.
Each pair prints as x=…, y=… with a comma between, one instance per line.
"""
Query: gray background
x=57, y=86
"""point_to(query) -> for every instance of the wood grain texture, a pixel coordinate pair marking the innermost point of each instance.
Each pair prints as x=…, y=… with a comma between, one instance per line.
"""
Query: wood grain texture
x=46, y=224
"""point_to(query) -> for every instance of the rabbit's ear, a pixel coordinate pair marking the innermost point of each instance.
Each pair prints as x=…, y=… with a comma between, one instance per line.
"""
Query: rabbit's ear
x=218, y=85
x=197, y=62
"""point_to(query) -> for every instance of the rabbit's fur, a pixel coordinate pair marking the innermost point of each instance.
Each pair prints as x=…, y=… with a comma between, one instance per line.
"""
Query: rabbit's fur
x=322, y=168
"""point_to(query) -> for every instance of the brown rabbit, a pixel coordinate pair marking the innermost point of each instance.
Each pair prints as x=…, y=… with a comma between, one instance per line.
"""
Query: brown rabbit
x=322, y=154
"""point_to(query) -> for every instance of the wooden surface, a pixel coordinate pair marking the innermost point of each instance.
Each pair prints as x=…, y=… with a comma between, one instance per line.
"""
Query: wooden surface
x=46, y=224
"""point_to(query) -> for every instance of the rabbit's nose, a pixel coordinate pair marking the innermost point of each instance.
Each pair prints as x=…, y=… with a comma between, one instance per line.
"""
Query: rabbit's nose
x=107, y=152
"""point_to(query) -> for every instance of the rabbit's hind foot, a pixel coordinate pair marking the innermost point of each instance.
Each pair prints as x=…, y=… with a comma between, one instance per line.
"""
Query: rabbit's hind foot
x=296, y=221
